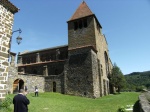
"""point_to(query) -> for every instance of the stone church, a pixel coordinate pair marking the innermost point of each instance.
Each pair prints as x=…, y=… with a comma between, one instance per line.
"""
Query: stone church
x=81, y=68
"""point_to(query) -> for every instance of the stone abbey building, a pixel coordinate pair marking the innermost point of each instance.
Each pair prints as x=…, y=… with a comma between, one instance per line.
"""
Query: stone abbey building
x=81, y=68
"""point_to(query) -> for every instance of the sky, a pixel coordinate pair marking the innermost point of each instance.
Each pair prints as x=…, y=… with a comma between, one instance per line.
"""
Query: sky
x=125, y=23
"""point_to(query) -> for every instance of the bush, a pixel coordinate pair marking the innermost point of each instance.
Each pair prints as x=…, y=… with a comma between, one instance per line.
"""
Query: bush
x=5, y=103
x=122, y=109
x=125, y=108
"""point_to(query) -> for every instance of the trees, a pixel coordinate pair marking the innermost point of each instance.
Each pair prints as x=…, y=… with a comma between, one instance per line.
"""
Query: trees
x=117, y=78
x=138, y=80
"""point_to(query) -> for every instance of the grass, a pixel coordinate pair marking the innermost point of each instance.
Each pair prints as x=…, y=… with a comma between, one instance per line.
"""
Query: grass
x=55, y=102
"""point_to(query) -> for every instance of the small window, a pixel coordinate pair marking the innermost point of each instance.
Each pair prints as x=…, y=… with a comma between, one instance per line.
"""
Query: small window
x=75, y=25
x=85, y=23
x=80, y=24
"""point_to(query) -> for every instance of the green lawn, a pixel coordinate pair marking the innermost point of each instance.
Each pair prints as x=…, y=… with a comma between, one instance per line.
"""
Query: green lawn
x=55, y=102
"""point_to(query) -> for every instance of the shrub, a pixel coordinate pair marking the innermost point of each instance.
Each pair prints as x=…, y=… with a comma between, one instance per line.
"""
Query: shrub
x=122, y=109
x=125, y=108
x=6, y=102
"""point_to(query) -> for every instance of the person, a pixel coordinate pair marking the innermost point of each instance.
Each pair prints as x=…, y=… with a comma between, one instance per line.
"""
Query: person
x=26, y=88
x=36, y=91
x=21, y=102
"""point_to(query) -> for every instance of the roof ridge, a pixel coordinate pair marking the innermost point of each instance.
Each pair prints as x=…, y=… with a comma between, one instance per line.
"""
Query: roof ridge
x=82, y=11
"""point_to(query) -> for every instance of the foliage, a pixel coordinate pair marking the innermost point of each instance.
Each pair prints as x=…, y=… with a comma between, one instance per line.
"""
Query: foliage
x=138, y=81
x=117, y=78
x=140, y=88
x=122, y=109
x=55, y=102
x=5, y=104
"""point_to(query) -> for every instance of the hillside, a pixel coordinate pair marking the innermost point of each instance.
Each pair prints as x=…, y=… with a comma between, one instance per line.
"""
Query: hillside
x=138, y=80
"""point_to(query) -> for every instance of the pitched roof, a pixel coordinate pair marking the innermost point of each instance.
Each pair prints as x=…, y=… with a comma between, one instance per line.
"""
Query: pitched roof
x=82, y=11
x=46, y=49
x=7, y=4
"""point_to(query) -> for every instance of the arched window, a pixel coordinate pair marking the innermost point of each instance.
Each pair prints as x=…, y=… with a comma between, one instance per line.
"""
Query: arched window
x=80, y=24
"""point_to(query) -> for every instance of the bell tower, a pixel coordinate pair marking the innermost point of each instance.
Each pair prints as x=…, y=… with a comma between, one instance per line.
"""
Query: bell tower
x=82, y=77
x=82, y=28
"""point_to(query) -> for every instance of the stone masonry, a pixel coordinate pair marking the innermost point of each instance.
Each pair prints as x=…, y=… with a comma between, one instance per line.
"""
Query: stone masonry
x=82, y=77
x=28, y=81
x=7, y=11
x=144, y=102
x=44, y=83
x=84, y=31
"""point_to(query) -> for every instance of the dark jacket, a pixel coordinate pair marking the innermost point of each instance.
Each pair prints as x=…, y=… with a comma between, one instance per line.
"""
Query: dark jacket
x=20, y=103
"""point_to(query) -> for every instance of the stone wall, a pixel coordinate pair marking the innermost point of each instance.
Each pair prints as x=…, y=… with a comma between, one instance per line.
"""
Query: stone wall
x=55, y=83
x=51, y=83
x=29, y=80
x=104, y=61
x=82, y=73
x=92, y=36
x=81, y=37
x=144, y=103
x=7, y=11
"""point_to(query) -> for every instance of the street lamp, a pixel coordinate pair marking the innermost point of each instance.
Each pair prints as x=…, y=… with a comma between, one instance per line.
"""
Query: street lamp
x=18, y=40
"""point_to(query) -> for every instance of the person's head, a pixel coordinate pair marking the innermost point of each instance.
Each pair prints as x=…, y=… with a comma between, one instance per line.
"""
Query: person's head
x=21, y=91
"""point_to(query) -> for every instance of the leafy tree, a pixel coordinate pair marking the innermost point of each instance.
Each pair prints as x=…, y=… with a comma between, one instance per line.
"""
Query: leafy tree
x=148, y=86
x=141, y=80
x=140, y=88
x=117, y=78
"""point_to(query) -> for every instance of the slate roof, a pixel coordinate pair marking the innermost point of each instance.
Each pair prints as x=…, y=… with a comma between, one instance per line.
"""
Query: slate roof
x=8, y=5
x=82, y=11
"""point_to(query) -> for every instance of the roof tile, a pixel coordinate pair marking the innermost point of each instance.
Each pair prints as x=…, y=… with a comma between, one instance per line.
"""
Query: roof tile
x=82, y=11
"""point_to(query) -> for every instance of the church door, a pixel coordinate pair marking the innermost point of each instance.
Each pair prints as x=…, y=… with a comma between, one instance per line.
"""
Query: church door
x=17, y=85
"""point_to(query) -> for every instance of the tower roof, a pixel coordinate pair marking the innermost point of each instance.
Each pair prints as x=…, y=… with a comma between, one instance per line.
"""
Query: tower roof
x=82, y=11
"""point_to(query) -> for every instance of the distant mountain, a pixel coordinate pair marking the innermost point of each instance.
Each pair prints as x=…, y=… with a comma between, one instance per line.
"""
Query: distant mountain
x=138, y=79
x=142, y=73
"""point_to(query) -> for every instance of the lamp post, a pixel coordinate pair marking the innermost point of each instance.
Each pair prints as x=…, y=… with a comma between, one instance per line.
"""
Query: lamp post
x=18, y=40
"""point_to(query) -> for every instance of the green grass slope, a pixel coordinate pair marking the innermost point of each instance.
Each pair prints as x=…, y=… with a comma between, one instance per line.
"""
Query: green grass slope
x=55, y=102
